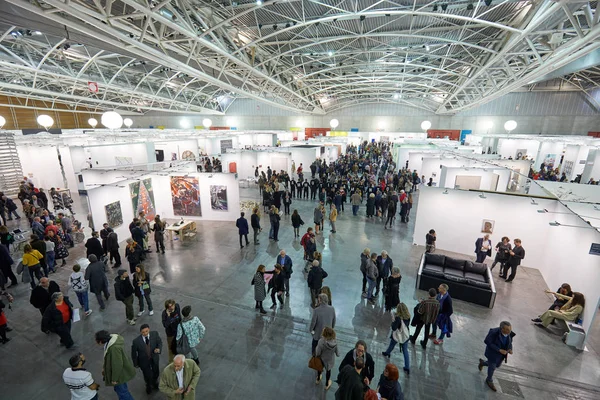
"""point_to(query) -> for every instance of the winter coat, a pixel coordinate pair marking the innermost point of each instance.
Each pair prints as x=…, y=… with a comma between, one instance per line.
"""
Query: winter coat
x=123, y=288
x=389, y=389
x=363, y=262
x=96, y=276
x=255, y=221
x=117, y=367
x=146, y=285
x=169, y=383
x=242, y=225
x=94, y=246
x=315, y=278
x=134, y=256
x=112, y=242
x=194, y=330
x=372, y=271
x=170, y=322
x=277, y=283
x=260, y=292
x=41, y=298
x=328, y=351
x=287, y=264
x=318, y=215
x=138, y=235
x=297, y=221
x=53, y=318
x=323, y=316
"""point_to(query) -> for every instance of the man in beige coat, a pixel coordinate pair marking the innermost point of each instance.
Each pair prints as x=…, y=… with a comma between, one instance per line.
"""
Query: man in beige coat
x=179, y=379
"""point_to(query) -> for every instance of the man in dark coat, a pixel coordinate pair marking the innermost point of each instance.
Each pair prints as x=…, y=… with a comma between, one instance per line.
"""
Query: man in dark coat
x=93, y=246
x=384, y=267
x=315, y=281
x=124, y=292
x=255, y=222
x=242, y=225
x=498, y=344
x=112, y=246
x=96, y=276
x=514, y=260
x=57, y=319
x=138, y=234
x=41, y=296
x=360, y=351
x=350, y=384
x=6, y=263
x=286, y=263
x=38, y=244
x=104, y=235
x=277, y=286
x=145, y=353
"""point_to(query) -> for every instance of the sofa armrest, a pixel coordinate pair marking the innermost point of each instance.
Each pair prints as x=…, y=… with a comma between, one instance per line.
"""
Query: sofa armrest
x=420, y=270
x=492, y=287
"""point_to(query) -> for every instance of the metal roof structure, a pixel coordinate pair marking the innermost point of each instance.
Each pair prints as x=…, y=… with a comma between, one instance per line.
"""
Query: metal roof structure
x=198, y=56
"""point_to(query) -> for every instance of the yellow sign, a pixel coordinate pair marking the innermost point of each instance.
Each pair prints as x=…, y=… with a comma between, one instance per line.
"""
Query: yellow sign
x=294, y=129
x=338, y=133
x=160, y=127
x=198, y=128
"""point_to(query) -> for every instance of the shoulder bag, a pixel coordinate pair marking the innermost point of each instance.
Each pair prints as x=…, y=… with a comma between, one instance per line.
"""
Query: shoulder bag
x=315, y=363
x=183, y=344
x=401, y=335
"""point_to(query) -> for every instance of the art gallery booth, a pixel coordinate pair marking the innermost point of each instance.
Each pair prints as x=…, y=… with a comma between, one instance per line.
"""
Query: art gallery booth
x=557, y=242
x=173, y=193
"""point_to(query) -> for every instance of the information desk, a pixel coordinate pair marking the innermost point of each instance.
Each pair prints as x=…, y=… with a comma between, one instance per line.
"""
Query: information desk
x=185, y=229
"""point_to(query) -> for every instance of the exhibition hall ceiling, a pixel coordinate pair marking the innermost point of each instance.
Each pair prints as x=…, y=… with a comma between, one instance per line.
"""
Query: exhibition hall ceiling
x=198, y=56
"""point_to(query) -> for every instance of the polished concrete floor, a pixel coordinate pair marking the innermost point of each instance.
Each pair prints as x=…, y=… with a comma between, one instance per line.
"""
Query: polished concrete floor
x=248, y=356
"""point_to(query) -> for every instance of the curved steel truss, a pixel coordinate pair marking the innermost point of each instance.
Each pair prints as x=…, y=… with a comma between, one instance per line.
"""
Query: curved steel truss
x=303, y=55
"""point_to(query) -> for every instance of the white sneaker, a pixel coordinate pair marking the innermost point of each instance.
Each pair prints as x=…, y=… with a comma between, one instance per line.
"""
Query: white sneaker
x=151, y=313
x=88, y=312
x=132, y=322
x=140, y=313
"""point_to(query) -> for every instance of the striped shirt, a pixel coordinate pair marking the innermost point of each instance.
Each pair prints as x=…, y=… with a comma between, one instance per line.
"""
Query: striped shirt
x=78, y=380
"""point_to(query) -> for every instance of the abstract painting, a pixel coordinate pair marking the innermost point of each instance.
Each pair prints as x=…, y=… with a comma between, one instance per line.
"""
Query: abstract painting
x=487, y=226
x=185, y=194
x=520, y=153
x=114, y=216
x=218, y=197
x=142, y=198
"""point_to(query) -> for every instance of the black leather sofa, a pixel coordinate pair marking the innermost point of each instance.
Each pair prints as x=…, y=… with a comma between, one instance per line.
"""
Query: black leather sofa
x=467, y=280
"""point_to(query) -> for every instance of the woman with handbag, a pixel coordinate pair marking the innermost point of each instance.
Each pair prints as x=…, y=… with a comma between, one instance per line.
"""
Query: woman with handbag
x=193, y=330
x=260, y=291
x=327, y=350
x=141, y=283
x=400, y=334
x=296, y=222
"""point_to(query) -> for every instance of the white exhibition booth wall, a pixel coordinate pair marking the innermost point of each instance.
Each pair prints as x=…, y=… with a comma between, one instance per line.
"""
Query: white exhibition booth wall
x=100, y=197
x=475, y=178
x=42, y=165
x=247, y=160
x=574, y=161
x=509, y=148
x=561, y=253
x=592, y=166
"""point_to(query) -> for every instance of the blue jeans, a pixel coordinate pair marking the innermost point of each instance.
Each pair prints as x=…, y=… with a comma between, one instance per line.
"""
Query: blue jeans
x=403, y=348
x=442, y=335
x=371, y=283
x=83, y=300
x=355, y=210
x=50, y=261
x=491, y=368
x=37, y=270
x=123, y=392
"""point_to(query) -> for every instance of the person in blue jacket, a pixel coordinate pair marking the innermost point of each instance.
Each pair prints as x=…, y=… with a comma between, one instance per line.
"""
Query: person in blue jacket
x=498, y=346
x=242, y=225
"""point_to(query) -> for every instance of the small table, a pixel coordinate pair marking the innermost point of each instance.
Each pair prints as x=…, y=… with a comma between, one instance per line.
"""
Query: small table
x=182, y=229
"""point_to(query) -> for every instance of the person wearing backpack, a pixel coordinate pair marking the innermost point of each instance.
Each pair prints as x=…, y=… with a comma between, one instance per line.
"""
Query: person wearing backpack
x=194, y=331
x=402, y=316
x=79, y=285
x=124, y=292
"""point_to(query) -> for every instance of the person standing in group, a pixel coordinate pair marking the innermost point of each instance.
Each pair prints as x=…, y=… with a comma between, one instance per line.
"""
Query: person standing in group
x=296, y=222
x=384, y=269
x=391, y=214
x=355, y=201
x=277, y=286
x=57, y=319
x=360, y=351
x=50, y=255
x=79, y=285
x=333, y=213
x=194, y=331
x=315, y=282
x=80, y=381
x=371, y=205
x=503, y=249
x=388, y=387
x=112, y=246
x=318, y=218
x=117, y=369
x=141, y=282
x=498, y=345
x=372, y=274
x=134, y=254
x=145, y=353
x=350, y=381
x=514, y=260
x=179, y=379
x=364, y=258
x=104, y=236
x=124, y=293
x=392, y=295
x=274, y=219
x=327, y=350
x=323, y=316
x=287, y=268
x=402, y=316
x=98, y=282
x=443, y=319
x=430, y=239
x=427, y=314
x=159, y=234
x=242, y=224
x=260, y=292
x=94, y=246
x=287, y=201
x=171, y=317
x=483, y=248
x=255, y=222
x=32, y=260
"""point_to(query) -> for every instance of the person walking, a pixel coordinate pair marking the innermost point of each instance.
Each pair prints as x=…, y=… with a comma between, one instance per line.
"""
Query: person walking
x=392, y=295
x=498, y=345
x=134, y=254
x=255, y=222
x=514, y=260
x=80, y=381
x=391, y=214
x=112, y=246
x=315, y=282
x=141, y=282
x=98, y=282
x=318, y=217
x=260, y=293
x=79, y=285
x=364, y=258
x=94, y=246
x=57, y=319
x=401, y=316
x=242, y=224
x=384, y=269
x=41, y=295
x=159, y=234
x=327, y=350
x=179, y=379
x=443, y=320
x=388, y=387
x=6, y=263
x=333, y=213
x=427, y=314
x=50, y=255
x=296, y=222
x=145, y=353
x=117, y=369
x=372, y=273
x=323, y=316
x=104, y=236
x=38, y=244
x=193, y=329
x=483, y=248
x=171, y=316
x=32, y=260
x=286, y=264
x=124, y=293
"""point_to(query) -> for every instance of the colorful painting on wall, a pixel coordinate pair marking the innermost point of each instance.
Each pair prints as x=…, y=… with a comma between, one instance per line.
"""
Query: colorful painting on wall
x=142, y=198
x=185, y=194
x=114, y=216
x=218, y=197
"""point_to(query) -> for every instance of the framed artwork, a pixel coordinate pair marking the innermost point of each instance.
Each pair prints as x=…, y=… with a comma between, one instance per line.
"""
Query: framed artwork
x=185, y=195
x=218, y=198
x=568, y=168
x=114, y=216
x=142, y=198
x=188, y=156
x=550, y=159
x=487, y=226
x=520, y=153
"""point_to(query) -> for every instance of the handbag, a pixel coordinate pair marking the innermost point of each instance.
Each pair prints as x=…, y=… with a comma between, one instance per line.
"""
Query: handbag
x=315, y=363
x=401, y=335
x=183, y=344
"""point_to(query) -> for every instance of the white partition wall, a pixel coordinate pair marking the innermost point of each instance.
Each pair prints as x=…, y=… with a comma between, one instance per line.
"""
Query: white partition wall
x=592, y=166
x=561, y=253
x=42, y=165
x=510, y=148
x=486, y=178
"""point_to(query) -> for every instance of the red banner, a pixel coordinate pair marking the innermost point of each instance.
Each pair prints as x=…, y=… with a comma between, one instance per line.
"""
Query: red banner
x=443, y=133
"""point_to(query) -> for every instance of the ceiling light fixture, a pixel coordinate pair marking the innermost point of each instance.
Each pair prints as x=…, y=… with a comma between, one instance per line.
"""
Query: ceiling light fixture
x=330, y=53
x=435, y=8
x=207, y=123
x=258, y=3
x=2, y=121
x=362, y=18
x=510, y=125
x=45, y=120
x=334, y=123
x=93, y=122
x=112, y=120
x=128, y=122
